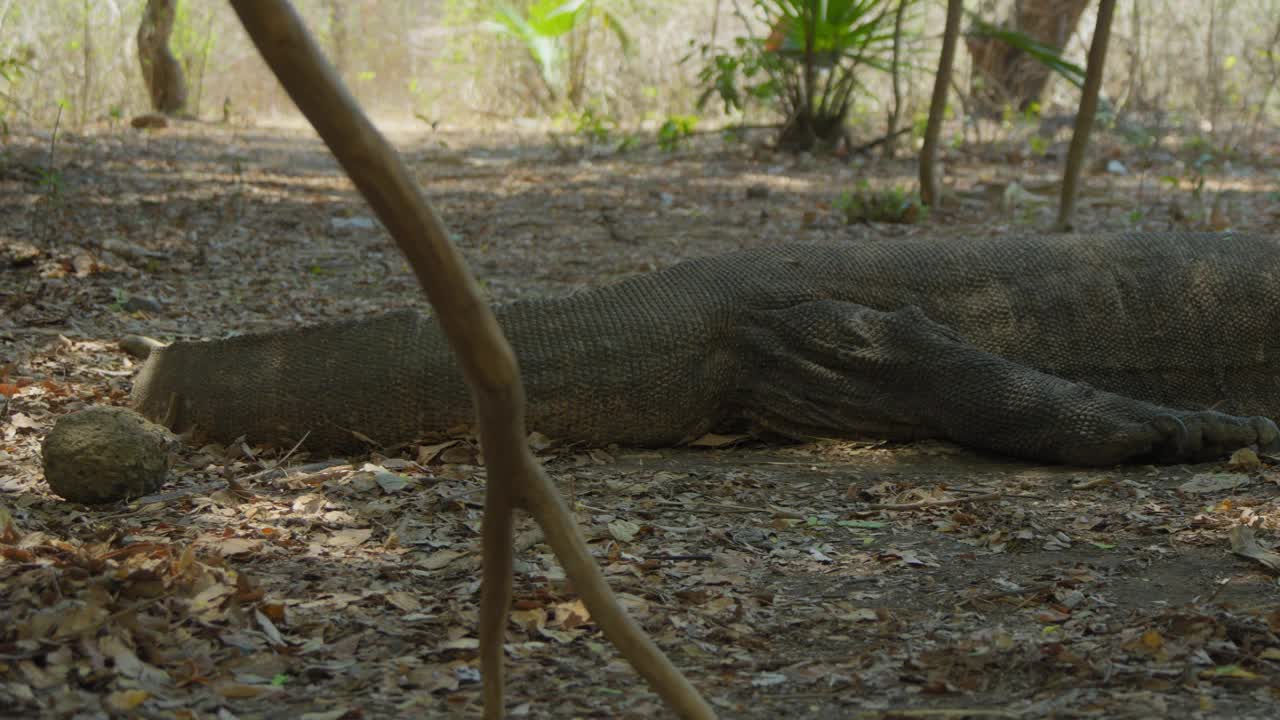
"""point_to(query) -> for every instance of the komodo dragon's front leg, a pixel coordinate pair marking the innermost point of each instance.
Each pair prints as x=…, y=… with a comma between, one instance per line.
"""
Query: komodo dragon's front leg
x=826, y=368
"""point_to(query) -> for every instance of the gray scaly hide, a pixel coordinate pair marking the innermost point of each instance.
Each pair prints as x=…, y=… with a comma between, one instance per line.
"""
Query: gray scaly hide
x=1064, y=349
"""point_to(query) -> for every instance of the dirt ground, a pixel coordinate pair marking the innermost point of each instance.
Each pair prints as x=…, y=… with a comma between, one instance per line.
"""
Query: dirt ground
x=824, y=580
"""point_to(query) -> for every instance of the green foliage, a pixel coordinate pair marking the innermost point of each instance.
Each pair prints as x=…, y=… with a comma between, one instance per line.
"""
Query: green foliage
x=736, y=77
x=192, y=42
x=809, y=65
x=841, y=29
x=919, y=125
x=545, y=29
x=592, y=125
x=675, y=129
x=187, y=40
x=595, y=131
x=1137, y=135
x=1206, y=152
x=1011, y=116
x=888, y=205
x=50, y=181
x=12, y=70
x=119, y=296
x=1205, y=156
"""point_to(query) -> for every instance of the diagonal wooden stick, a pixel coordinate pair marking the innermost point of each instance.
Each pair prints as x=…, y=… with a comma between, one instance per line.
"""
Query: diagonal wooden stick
x=484, y=354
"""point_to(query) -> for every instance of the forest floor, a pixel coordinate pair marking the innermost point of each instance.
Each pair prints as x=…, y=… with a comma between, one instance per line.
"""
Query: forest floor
x=824, y=580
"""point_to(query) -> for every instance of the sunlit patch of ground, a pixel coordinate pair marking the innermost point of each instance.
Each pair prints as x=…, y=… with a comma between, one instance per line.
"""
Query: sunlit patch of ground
x=818, y=580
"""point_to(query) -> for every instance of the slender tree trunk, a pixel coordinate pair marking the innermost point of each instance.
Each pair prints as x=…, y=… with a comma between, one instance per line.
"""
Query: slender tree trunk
x=486, y=359
x=579, y=52
x=938, y=104
x=891, y=145
x=1137, y=88
x=338, y=36
x=810, y=72
x=1212, y=67
x=1084, y=117
x=715, y=22
x=86, y=86
x=160, y=69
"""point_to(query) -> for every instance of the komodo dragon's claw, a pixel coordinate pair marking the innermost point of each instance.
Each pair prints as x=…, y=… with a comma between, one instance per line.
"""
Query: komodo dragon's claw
x=1206, y=434
x=1176, y=433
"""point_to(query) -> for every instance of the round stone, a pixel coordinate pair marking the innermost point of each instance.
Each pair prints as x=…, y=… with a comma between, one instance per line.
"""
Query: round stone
x=104, y=454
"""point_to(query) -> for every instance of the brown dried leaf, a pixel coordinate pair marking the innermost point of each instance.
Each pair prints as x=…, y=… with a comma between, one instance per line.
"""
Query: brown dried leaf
x=126, y=700
x=712, y=440
x=1245, y=544
x=427, y=453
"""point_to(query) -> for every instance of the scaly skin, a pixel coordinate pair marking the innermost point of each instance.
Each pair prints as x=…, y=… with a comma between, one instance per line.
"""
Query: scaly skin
x=1085, y=350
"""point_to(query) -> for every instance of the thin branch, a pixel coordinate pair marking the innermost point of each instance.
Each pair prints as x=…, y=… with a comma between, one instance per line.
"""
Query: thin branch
x=898, y=507
x=484, y=355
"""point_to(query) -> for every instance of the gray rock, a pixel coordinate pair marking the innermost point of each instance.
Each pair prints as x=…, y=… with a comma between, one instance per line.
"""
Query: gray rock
x=143, y=303
x=104, y=454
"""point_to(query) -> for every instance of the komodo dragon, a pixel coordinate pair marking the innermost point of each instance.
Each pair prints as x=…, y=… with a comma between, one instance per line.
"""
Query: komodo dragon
x=1080, y=350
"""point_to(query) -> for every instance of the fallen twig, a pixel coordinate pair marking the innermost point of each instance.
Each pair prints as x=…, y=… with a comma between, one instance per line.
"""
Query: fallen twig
x=933, y=503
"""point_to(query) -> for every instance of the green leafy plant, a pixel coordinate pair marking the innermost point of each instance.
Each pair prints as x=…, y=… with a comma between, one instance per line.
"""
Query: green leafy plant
x=595, y=130
x=50, y=180
x=592, y=125
x=808, y=66
x=12, y=69
x=674, y=130
x=556, y=34
x=887, y=205
x=737, y=77
x=119, y=296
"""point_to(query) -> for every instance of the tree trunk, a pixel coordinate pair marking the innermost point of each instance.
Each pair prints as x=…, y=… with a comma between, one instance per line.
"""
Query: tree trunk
x=1136, y=93
x=160, y=69
x=1084, y=116
x=805, y=132
x=485, y=357
x=86, y=85
x=338, y=36
x=1003, y=75
x=891, y=145
x=938, y=105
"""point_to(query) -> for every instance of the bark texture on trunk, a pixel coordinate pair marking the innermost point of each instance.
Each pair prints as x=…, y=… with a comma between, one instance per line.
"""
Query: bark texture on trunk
x=1003, y=75
x=160, y=69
